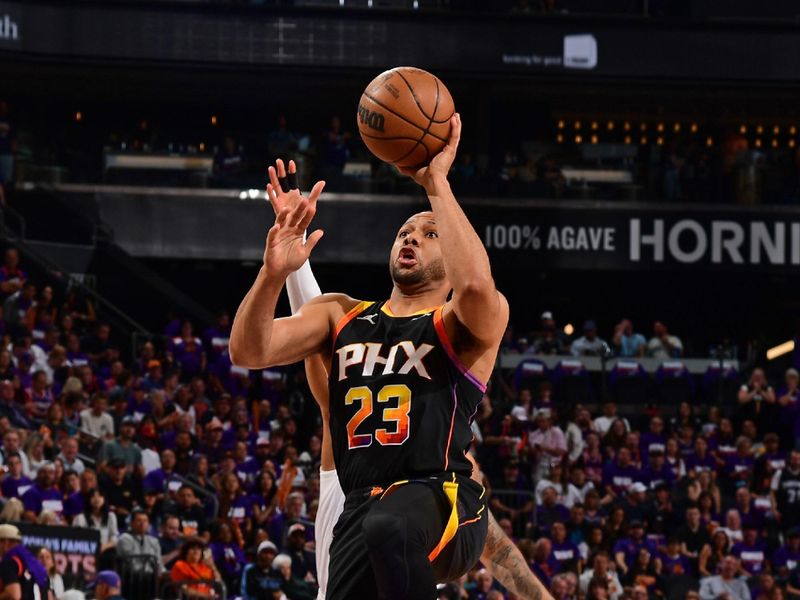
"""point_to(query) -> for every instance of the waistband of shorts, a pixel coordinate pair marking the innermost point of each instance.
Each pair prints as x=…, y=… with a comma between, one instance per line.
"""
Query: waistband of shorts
x=433, y=480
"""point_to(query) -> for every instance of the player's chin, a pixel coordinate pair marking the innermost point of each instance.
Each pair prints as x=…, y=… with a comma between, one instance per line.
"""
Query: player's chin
x=405, y=275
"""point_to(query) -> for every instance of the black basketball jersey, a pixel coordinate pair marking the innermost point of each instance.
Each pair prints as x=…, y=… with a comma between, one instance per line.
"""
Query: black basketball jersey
x=787, y=496
x=401, y=403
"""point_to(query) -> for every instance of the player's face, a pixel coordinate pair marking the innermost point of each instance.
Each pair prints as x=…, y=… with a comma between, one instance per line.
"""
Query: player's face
x=416, y=256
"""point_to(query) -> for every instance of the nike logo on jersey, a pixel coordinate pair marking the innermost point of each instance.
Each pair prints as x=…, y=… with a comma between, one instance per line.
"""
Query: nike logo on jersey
x=369, y=318
x=369, y=355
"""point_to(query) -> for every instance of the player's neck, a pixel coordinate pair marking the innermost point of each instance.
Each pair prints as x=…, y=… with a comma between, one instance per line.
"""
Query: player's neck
x=405, y=302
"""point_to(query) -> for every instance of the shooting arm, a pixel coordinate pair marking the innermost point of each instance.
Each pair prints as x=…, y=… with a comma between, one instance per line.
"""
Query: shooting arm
x=476, y=302
x=506, y=563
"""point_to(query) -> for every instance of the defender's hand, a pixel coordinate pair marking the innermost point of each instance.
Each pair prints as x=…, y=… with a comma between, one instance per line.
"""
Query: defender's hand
x=286, y=251
x=282, y=180
x=440, y=166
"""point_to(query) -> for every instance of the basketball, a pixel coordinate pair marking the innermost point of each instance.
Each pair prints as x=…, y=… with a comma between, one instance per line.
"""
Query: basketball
x=404, y=116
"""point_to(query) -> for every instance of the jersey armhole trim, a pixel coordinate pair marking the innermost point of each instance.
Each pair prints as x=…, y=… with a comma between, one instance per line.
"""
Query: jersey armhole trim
x=441, y=332
x=354, y=312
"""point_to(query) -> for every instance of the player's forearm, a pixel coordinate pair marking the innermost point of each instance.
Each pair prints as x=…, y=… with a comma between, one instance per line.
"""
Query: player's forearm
x=252, y=326
x=465, y=260
x=506, y=563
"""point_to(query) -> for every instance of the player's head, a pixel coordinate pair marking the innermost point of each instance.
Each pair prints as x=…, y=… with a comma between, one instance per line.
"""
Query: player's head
x=416, y=257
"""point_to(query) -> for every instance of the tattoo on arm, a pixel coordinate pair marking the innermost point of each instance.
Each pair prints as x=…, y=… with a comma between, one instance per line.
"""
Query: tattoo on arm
x=509, y=566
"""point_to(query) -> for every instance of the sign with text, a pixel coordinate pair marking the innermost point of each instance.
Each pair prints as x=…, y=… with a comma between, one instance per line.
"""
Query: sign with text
x=74, y=549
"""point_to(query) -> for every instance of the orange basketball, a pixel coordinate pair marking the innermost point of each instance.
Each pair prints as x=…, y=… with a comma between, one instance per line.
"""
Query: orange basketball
x=404, y=116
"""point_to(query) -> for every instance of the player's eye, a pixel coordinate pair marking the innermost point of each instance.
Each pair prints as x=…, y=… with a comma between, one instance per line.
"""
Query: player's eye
x=402, y=234
x=432, y=234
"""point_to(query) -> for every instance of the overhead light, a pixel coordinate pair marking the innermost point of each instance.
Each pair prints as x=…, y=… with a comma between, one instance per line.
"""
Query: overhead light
x=660, y=141
x=742, y=129
x=243, y=195
x=694, y=128
x=780, y=350
x=595, y=139
x=202, y=147
x=758, y=142
x=560, y=138
x=774, y=143
x=676, y=128
x=252, y=193
x=709, y=141
x=643, y=140
x=643, y=127
x=792, y=143
x=610, y=125
x=776, y=130
x=569, y=329
x=213, y=119
x=595, y=125
x=660, y=127
x=628, y=140
x=626, y=126
x=561, y=124
x=578, y=139
x=760, y=129
x=78, y=116
x=577, y=125
x=792, y=130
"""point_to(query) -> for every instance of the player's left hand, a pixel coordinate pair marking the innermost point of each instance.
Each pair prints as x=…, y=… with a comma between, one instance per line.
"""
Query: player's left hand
x=440, y=165
x=282, y=189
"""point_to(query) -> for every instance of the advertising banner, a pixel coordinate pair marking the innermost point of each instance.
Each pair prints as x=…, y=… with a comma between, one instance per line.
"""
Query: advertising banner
x=75, y=549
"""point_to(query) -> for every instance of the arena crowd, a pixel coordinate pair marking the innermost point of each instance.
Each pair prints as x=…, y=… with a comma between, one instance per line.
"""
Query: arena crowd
x=199, y=474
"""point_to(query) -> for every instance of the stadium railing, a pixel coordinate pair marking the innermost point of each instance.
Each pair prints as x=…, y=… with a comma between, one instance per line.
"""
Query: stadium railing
x=173, y=590
x=139, y=574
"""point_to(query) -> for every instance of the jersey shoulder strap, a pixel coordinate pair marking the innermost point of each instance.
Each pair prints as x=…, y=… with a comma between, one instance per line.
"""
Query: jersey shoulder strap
x=352, y=314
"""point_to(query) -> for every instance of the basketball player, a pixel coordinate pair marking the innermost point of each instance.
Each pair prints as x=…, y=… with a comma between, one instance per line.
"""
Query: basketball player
x=500, y=555
x=406, y=377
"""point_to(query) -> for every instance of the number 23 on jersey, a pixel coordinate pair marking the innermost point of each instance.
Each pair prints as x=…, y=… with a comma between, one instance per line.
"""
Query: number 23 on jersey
x=395, y=417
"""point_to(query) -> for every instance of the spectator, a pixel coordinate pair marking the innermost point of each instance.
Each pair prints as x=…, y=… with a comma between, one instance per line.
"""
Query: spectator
x=69, y=456
x=228, y=556
x=107, y=585
x=55, y=581
x=335, y=151
x=550, y=511
x=693, y=536
x=141, y=549
x=757, y=398
x=303, y=564
x=578, y=487
x=550, y=340
x=170, y=540
x=229, y=162
x=194, y=570
x=663, y=345
x=787, y=557
x=43, y=495
x=565, y=554
x=785, y=492
x=733, y=526
x=11, y=276
x=788, y=400
x=17, y=306
x=603, y=423
x=673, y=562
x=751, y=552
x=123, y=447
x=99, y=517
x=626, y=550
x=726, y=585
x=620, y=474
x=96, y=421
x=547, y=444
x=589, y=344
x=600, y=571
x=712, y=555
x=190, y=514
x=14, y=484
x=628, y=343
x=120, y=488
x=294, y=588
x=258, y=579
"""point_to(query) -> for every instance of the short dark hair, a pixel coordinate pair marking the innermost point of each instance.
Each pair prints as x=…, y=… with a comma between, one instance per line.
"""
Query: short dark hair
x=193, y=542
